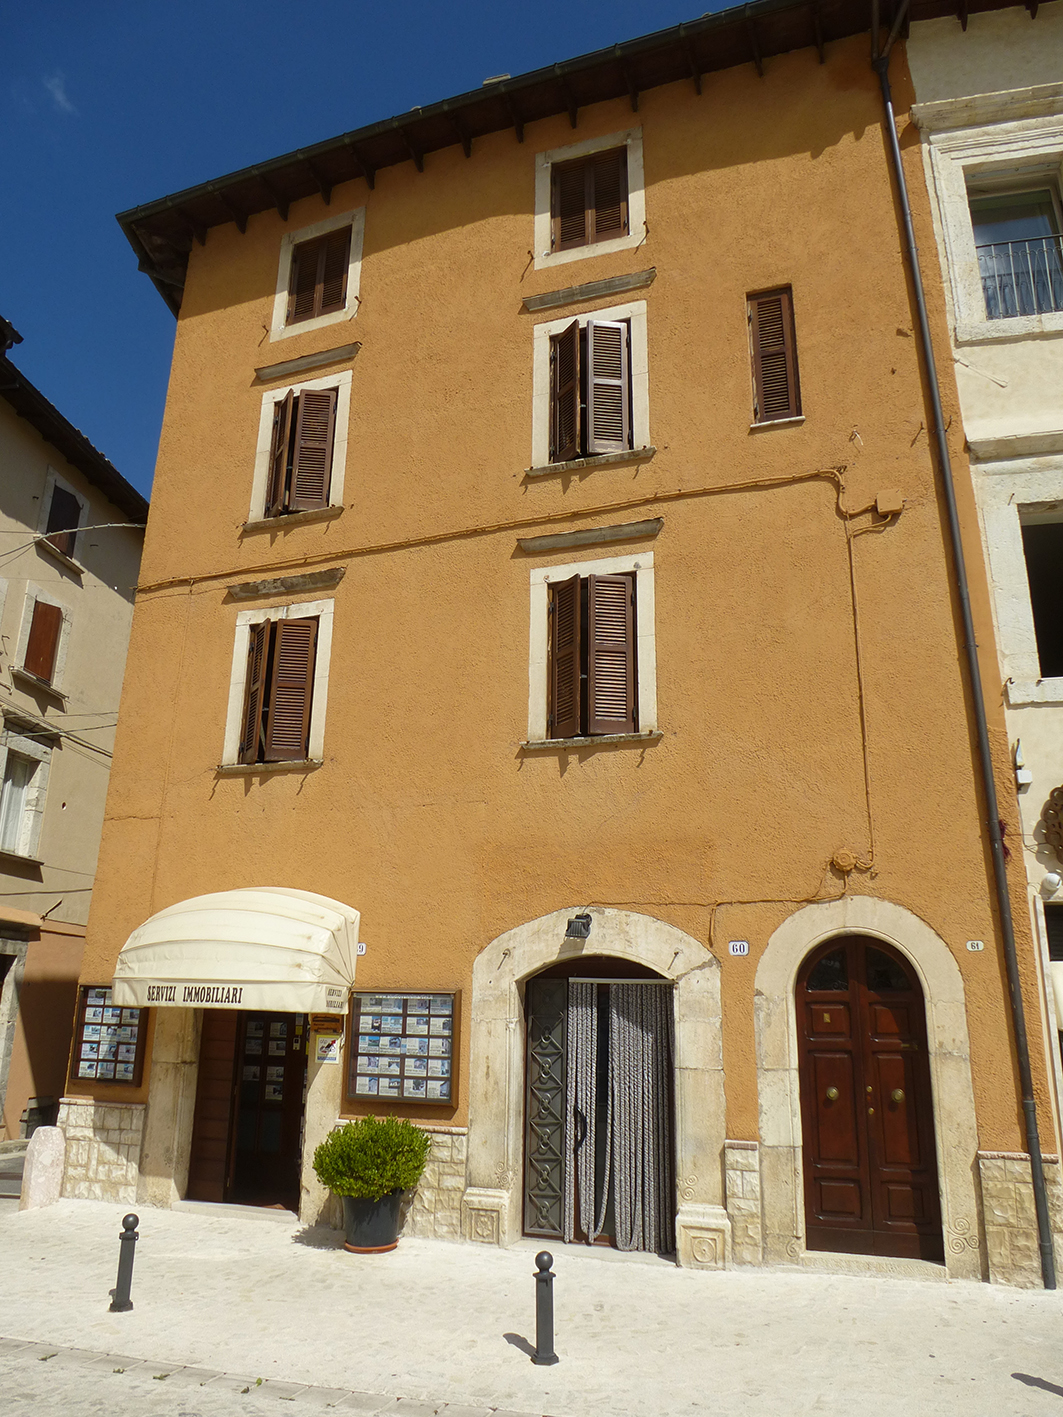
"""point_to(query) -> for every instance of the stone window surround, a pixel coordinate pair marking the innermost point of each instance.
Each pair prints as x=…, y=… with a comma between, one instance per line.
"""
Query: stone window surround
x=637, y=231
x=34, y=593
x=542, y=577
x=52, y=480
x=33, y=815
x=260, y=478
x=954, y=159
x=778, y=1083
x=10, y=989
x=491, y=1206
x=323, y=611
x=356, y=221
x=635, y=313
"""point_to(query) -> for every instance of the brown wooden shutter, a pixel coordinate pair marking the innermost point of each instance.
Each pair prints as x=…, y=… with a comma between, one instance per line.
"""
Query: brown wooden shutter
x=290, y=691
x=278, y=456
x=303, y=281
x=45, y=626
x=610, y=194
x=771, y=327
x=564, y=659
x=564, y=395
x=336, y=255
x=256, y=682
x=64, y=513
x=610, y=655
x=571, y=198
x=608, y=387
x=315, y=428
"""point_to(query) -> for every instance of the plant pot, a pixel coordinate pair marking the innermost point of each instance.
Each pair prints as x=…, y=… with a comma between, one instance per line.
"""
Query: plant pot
x=372, y=1226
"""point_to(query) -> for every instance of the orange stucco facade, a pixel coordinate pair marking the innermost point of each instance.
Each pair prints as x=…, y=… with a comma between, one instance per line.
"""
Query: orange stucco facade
x=814, y=734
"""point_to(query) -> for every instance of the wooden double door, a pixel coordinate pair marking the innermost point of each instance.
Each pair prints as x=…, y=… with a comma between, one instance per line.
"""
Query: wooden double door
x=247, y=1129
x=870, y=1167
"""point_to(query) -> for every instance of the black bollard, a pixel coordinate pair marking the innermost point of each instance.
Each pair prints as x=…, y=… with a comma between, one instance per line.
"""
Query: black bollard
x=120, y=1300
x=544, y=1311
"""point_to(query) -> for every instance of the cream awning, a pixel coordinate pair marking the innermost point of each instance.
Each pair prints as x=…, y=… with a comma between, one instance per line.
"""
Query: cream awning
x=1056, y=971
x=265, y=948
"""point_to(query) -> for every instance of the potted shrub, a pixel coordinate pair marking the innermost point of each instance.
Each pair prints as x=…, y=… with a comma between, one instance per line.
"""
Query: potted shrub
x=370, y=1163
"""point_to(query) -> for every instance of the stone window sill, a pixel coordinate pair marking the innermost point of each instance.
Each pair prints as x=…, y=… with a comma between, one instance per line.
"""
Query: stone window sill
x=777, y=423
x=588, y=464
x=252, y=769
x=1014, y=327
x=599, y=741
x=19, y=856
x=23, y=676
x=319, y=514
x=1036, y=691
x=61, y=556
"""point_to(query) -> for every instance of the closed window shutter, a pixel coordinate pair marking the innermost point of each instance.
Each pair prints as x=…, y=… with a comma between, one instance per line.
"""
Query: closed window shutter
x=564, y=395
x=610, y=194
x=278, y=457
x=564, y=659
x=312, y=461
x=64, y=513
x=290, y=690
x=610, y=655
x=256, y=680
x=771, y=325
x=570, y=199
x=303, y=281
x=336, y=255
x=43, y=640
x=608, y=387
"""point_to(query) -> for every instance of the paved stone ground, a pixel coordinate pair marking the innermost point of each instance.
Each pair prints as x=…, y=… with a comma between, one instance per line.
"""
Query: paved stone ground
x=254, y=1297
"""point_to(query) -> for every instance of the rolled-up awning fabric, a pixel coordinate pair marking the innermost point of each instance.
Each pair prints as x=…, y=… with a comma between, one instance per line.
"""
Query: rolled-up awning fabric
x=267, y=948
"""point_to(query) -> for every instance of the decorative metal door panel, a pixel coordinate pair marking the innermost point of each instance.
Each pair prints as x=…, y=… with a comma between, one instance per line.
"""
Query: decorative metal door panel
x=544, y=1135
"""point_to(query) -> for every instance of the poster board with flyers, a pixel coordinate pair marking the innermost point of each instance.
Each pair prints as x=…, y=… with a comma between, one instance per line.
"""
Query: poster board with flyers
x=108, y=1040
x=402, y=1048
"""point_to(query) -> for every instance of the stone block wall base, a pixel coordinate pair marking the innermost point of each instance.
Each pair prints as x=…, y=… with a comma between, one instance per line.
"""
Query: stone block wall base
x=103, y=1143
x=741, y=1169
x=42, y=1177
x=703, y=1237
x=483, y=1215
x=435, y=1212
x=1010, y=1218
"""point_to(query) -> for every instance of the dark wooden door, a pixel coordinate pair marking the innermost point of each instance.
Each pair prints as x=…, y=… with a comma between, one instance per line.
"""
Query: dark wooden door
x=271, y=1083
x=871, y=1184
x=209, y=1163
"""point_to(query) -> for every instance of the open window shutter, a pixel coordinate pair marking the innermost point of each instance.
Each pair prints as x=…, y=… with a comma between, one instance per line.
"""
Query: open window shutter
x=303, y=282
x=771, y=325
x=610, y=655
x=256, y=679
x=64, y=513
x=570, y=199
x=288, y=717
x=278, y=457
x=610, y=194
x=608, y=387
x=564, y=395
x=564, y=659
x=337, y=253
x=312, y=462
x=43, y=640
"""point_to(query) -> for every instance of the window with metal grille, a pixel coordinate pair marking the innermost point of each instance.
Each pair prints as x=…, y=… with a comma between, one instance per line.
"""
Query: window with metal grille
x=592, y=656
x=590, y=389
x=317, y=283
x=588, y=200
x=776, y=392
x=300, y=466
x=1017, y=235
x=1042, y=545
x=281, y=658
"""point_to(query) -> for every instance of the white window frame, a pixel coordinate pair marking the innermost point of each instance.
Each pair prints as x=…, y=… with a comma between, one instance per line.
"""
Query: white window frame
x=1018, y=156
x=52, y=480
x=33, y=810
x=631, y=138
x=34, y=593
x=356, y=221
x=260, y=479
x=541, y=578
x=322, y=611
x=635, y=313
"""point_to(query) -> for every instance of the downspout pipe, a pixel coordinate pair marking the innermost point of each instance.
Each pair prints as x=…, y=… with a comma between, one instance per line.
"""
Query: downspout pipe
x=880, y=63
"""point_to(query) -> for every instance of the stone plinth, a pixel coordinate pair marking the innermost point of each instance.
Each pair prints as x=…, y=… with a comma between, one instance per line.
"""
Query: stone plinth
x=103, y=1141
x=435, y=1213
x=741, y=1162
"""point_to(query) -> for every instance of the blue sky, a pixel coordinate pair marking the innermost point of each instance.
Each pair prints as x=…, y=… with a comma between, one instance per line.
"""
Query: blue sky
x=116, y=103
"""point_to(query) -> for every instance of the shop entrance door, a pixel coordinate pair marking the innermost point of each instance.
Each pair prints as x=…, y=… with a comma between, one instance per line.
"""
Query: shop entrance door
x=599, y=1132
x=871, y=1183
x=247, y=1131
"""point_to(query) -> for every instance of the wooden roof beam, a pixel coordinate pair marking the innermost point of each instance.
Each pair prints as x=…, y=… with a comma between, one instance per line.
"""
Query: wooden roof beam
x=282, y=203
x=463, y=136
x=751, y=32
x=515, y=114
x=817, y=28
x=632, y=87
x=325, y=188
x=198, y=230
x=367, y=169
x=688, y=50
x=418, y=157
x=238, y=216
x=961, y=13
x=567, y=94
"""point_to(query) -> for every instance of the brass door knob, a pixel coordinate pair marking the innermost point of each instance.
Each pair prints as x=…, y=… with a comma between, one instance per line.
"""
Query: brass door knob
x=897, y=1095
x=832, y=1094
x=871, y=1111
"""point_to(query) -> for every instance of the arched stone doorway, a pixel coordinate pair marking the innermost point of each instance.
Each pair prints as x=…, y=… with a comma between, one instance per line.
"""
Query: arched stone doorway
x=867, y=1113
x=492, y=1204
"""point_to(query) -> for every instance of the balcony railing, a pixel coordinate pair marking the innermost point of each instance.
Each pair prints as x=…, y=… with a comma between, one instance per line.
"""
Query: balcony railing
x=1022, y=277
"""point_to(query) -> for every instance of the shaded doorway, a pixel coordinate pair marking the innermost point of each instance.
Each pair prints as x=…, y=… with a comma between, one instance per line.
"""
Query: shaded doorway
x=599, y=1137
x=870, y=1167
x=248, y=1124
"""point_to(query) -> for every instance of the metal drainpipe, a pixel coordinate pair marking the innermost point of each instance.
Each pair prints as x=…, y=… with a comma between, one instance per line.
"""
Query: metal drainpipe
x=880, y=63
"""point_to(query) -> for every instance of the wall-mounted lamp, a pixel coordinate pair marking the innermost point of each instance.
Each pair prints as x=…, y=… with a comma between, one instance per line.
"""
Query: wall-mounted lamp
x=1051, y=882
x=578, y=928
